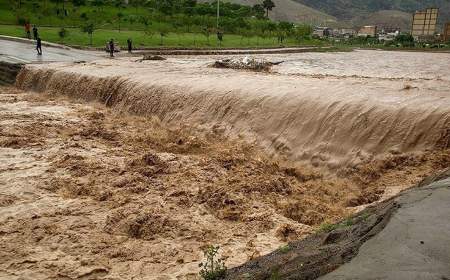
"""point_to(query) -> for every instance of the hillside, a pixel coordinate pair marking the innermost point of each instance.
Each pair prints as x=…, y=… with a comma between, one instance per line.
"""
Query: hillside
x=391, y=18
x=396, y=13
x=290, y=10
x=357, y=10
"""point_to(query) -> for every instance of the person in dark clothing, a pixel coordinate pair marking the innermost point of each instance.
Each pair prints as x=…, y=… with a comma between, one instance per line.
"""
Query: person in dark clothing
x=39, y=46
x=130, y=45
x=35, y=32
x=28, y=30
x=111, y=48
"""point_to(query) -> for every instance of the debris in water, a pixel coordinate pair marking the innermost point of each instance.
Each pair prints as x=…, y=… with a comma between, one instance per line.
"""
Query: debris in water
x=409, y=87
x=152, y=57
x=246, y=63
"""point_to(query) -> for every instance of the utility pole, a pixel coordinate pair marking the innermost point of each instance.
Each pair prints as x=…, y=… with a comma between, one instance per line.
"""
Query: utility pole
x=218, y=14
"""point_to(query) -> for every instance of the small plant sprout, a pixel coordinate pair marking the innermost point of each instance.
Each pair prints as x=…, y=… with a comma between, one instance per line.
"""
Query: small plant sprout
x=284, y=249
x=212, y=268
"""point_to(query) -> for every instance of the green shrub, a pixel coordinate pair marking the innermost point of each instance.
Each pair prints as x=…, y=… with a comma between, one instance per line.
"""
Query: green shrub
x=212, y=268
x=284, y=249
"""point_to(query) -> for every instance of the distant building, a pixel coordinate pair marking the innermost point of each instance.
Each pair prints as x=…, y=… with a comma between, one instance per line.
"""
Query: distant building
x=384, y=29
x=368, y=30
x=447, y=32
x=386, y=37
x=424, y=24
x=346, y=32
x=321, y=31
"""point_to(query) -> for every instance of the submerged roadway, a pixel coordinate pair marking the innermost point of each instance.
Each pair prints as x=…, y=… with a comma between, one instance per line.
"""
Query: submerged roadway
x=24, y=51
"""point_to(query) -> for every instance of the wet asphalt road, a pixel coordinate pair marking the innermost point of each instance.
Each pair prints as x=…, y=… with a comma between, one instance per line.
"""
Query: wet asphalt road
x=415, y=245
x=21, y=52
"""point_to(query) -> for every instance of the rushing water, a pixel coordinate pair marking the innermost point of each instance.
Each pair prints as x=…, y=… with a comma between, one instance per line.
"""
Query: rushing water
x=377, y=64
x=331, y=108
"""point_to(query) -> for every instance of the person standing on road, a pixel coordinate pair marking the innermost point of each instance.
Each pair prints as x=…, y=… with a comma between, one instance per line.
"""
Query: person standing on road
x=130, y=45
x=35, y=32
x=39, y=46
x=111, y=48
x=28, y=30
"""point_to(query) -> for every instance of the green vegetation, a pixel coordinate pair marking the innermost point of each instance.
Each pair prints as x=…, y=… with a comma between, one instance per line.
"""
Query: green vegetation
x=284, y=249
x=151, y=23
x=76, y=37
x=403, y=41
x=212, y=268
x=327, y=227
x=275, y=275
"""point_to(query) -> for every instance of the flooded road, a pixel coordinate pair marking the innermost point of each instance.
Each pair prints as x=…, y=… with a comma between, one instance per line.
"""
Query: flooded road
x=25, y=52
x=371, y=64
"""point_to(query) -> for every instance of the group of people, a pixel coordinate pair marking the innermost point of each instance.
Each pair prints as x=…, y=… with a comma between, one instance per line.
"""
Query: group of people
x=35, y=36
x=111, y=47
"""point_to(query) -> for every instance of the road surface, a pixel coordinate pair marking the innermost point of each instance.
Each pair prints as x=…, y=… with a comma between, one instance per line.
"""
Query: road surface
x=21, y=52
x=414, y=244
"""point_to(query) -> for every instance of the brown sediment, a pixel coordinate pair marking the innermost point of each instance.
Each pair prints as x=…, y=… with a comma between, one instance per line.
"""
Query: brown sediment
x=177, y=156
x=93, y=191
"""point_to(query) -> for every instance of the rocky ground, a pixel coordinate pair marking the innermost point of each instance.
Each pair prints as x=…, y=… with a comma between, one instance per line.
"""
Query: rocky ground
x=87, y=193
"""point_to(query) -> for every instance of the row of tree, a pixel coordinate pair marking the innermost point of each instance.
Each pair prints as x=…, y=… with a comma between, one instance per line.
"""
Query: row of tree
x=164, y=16
x=168, y=7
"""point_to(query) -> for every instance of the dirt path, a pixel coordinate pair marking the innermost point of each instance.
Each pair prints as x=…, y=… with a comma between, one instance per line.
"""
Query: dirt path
x=89, y=194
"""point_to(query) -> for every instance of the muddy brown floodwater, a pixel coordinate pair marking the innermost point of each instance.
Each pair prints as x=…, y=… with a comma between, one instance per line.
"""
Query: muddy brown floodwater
x=87, y=193
x=126, y=170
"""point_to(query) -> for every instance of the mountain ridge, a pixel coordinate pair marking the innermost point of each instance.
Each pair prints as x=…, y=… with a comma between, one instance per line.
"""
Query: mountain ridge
x=352, y=13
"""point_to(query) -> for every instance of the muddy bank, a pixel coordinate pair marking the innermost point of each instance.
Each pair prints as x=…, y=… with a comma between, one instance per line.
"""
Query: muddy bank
x=327, y=121
x=336, y=244
x=8, y=72
x=88, y=193
x=319, y=253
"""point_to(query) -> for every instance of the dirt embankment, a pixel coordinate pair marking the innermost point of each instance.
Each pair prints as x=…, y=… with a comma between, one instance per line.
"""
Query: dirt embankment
x=335, y=245
x=319, y=253
x=92, y=194
x=8, y=73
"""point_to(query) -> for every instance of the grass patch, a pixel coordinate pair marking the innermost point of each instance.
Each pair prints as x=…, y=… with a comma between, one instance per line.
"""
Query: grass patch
x=327, y=227
x=284, y=249
x=75, y=37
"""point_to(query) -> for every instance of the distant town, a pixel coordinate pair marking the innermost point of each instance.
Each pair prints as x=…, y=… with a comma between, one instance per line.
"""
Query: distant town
x=424, y=29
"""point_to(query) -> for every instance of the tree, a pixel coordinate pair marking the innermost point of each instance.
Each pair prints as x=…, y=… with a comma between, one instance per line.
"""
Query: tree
x=206, y=31
x=405, y=39
x=78, y=3
x=89, y=29
x=163, y=30
x=119, y=4
x=145, y=21
x=136, y=4
x=268, y=5
x=120, y=15
x=62, y=33
x=259, y=11
x=302, y=31
x=165, y=6
x=98, y=3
